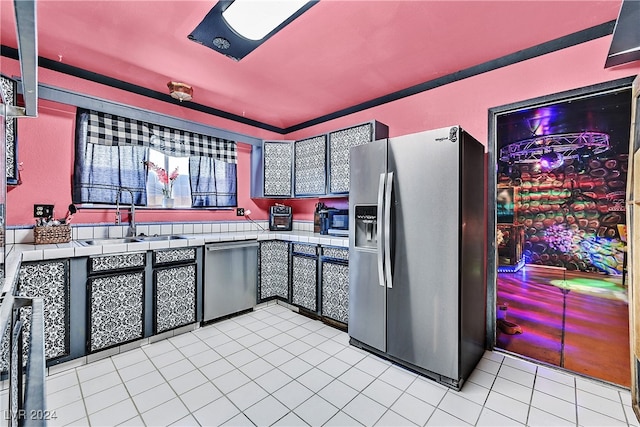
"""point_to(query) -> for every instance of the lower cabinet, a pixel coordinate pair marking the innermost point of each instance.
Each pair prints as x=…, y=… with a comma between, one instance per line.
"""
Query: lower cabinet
x=304, y=282
x=335, y=284
x=174, y=289
x=115, y=309
x=311, y=277
x=115, y=299
x=48, y=280
x=273, y=270
x=98, y=302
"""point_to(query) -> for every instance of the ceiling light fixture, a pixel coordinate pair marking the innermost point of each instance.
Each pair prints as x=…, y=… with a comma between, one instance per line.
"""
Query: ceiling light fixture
x=180, y=91
x=254, y=19
x=237, y=27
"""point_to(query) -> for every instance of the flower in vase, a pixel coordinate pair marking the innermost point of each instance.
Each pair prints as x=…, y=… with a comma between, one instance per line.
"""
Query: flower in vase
x=163, y=178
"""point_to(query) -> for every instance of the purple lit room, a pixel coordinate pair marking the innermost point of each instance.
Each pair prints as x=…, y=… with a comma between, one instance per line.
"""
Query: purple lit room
x=561, y=234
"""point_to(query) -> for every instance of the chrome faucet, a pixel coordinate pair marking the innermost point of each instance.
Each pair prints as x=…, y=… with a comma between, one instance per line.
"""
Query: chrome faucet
x=131, y=231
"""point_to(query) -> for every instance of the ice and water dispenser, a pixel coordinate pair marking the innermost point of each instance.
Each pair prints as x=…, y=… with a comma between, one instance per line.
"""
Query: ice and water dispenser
x=366, y=218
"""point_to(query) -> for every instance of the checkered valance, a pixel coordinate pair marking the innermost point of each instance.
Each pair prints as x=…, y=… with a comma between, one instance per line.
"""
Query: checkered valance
x=107, y=129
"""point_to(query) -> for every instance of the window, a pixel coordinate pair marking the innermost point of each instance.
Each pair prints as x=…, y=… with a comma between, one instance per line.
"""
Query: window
x=114, y=152
x=177, y=189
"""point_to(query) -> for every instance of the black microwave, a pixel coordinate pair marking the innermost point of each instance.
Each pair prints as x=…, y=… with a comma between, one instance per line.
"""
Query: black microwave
x=280, y=218
x=335, y=222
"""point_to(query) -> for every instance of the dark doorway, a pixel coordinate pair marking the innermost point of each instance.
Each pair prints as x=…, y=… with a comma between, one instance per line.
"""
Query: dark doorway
x=560, y=194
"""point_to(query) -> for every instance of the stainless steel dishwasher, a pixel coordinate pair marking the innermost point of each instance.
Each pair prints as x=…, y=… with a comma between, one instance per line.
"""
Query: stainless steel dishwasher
x=230, y=278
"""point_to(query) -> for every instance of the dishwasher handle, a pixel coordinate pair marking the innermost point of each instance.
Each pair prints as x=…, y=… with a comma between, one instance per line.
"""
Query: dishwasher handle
x=230, y=245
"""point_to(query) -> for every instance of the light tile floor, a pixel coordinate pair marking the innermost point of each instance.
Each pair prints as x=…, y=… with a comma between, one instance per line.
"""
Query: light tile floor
x=276, y=367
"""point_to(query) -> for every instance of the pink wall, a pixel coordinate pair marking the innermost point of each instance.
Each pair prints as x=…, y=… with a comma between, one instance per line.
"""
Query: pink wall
x=46, y=149
x=467, y=102
x=47, y=152
x=46, y=143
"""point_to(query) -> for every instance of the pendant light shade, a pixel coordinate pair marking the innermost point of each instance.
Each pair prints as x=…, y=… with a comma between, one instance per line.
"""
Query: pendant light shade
x=180, y=91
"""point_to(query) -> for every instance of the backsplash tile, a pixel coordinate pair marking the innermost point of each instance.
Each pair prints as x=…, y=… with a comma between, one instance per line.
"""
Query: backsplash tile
x=100, y=232
x=16, y=235
x=83, y=232
x=116, y=231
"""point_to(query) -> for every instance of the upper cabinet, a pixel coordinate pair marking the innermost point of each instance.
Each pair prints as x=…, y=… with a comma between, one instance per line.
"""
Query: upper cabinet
x=311, y=167
x=278, y=164
x=340, y=142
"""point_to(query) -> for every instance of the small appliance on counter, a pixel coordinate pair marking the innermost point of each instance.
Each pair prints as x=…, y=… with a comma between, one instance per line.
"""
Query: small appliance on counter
x=280, y=218
x=317, y=220
x=338, y=222
x=332, y=221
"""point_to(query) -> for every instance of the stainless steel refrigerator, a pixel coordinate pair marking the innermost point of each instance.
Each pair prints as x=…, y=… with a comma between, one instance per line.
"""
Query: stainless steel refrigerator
x=417, y=292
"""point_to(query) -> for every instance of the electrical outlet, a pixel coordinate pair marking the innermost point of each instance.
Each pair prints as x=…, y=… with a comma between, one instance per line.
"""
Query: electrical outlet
x=42, y=211
x=239, y=211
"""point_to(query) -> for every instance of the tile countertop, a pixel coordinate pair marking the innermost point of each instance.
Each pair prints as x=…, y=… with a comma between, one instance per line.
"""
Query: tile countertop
x=26, y=252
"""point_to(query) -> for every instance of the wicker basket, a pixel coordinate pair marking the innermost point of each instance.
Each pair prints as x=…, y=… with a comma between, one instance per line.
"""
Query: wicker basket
x=52, y=234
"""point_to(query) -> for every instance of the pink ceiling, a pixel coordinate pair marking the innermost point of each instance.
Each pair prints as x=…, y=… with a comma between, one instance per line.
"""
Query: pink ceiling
x=336, y=55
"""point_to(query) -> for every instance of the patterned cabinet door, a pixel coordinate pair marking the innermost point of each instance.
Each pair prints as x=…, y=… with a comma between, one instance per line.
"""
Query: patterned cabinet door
x=9, y=93
x=340, y=142
x=172, y=256
x=274, y=270
x=116, y=309
x=335, y=253
x=310, y=169
x=107, y=263
x=48, y=280
x=278, y=164
x=335, y=291
x=175, y=297
x=304, y=282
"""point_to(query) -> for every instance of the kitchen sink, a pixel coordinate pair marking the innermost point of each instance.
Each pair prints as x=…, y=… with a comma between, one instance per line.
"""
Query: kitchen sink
x=97, y=242
x=120, y=240
x=156, y=238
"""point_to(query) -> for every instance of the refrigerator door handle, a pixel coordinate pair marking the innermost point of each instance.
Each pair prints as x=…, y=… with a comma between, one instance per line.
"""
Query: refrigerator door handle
x=380, y=253
x=387, y=230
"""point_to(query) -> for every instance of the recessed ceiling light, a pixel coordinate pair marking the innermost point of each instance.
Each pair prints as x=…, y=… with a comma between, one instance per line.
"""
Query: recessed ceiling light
x=254, y=19
x=237, y=27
